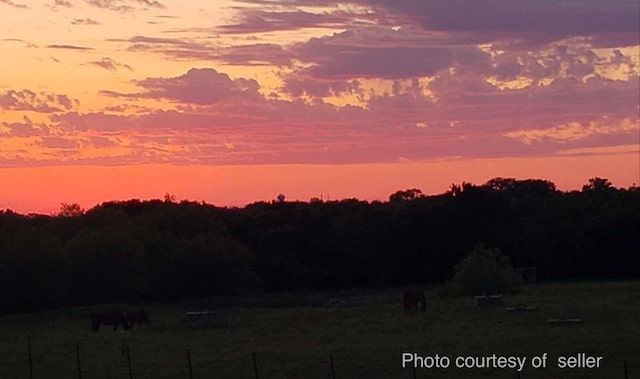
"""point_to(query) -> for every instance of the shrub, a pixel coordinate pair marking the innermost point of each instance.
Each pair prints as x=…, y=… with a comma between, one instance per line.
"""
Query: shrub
x=484, y=272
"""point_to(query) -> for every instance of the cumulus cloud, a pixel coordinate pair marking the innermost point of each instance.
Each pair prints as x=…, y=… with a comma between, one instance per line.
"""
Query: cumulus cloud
x=197, y=86
x=27, y=100
x=26, y=128
x=465, y=116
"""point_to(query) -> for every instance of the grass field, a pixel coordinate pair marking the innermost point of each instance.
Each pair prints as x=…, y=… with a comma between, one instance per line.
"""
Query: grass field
x=365, y=333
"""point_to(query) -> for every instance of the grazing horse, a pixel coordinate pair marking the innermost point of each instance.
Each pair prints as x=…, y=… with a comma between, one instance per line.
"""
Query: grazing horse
x=108, y=318
x=412, y=298
x=139, y=317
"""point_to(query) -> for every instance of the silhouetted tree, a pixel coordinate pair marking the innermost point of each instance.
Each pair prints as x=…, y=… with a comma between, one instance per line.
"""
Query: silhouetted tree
x=70, y=210
x=406, y=195
x=484, y=271
x=598, y=185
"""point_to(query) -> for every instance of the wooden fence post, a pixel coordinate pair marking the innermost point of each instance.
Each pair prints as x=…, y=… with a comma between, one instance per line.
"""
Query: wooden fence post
x=30, y=360
x=255, y=364
x=78, y=361
x=189, y=361
x=129, y=362
x=333, y=367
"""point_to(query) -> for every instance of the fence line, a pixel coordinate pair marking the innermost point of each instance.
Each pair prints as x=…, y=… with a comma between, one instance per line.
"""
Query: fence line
x=620, y=369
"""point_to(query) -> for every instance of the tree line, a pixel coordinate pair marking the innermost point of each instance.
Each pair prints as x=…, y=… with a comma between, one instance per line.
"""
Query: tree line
x=164, y=250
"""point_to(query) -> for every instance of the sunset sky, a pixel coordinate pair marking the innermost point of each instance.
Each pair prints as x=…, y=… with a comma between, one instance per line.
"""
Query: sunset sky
x=232, y=102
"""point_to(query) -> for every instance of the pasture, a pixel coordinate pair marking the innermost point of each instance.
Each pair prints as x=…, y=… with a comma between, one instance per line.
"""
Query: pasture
x=365, y=331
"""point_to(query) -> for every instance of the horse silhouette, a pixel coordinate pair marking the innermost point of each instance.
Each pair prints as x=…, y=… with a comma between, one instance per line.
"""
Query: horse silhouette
x=139, y=317
x=108, y=318
x=413, y=298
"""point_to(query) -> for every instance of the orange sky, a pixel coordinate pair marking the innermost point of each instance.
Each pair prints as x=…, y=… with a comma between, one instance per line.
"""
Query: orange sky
x=235, y=101
x=42, y=189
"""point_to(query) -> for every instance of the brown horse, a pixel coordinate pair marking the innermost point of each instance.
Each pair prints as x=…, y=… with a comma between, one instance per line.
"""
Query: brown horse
x=139, y=317
x=412, y=298
x=108, y=318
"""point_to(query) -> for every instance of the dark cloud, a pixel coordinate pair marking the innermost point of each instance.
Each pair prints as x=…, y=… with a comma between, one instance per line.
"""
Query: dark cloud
x=197, y=86
x=14, y=5
x=200, y=86
x=131, y=96
x=27, y=100
x=124, y=5
x=258, y=21
x=186, y=49
x=110, y=65
x=143, y=43
x=70, y=47
x=172, y=47
x=26, y=43
x=543, y=20
x=102, y=142
x=63, y=3
x=26, y=128
x=54, y=142
x=298, y=86
x=605, y=23
x=256, y=55
x=379, y=53
x=84, y=21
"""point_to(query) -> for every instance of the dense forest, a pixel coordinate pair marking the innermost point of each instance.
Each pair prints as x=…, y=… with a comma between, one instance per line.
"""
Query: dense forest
x=164, y=250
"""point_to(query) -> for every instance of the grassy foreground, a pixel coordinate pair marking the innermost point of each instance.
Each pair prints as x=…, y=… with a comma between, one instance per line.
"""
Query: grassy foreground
x=365, y=332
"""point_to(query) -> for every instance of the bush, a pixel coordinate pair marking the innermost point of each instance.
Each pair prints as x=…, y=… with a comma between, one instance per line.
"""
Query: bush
x=484, y=272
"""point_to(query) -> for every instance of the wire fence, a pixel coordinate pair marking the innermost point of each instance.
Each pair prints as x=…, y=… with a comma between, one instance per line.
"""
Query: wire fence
x=115, y=362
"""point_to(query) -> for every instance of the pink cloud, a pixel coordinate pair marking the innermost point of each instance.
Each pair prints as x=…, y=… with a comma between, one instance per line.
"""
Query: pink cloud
x=27, y=100
x=197, y=86
x=26, y=128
